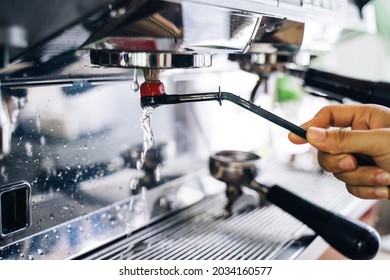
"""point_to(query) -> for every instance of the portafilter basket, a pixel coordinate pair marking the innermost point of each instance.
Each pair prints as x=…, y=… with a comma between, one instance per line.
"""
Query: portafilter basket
x=352, y=238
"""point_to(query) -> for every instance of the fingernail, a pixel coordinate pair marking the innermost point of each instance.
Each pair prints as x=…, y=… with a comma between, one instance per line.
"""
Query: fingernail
x=382, y=192
x=316, y=134
x=382, y=177
x=347, y=164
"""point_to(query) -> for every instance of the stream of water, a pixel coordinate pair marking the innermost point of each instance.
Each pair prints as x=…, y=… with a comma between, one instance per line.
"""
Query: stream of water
x=148, y=141
x=138, y=207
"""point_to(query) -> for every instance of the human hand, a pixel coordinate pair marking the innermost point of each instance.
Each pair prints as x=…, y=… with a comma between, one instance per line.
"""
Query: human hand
x=369, y=134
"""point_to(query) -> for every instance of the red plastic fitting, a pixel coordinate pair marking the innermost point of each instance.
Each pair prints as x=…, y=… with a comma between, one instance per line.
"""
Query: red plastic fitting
x=154, y=88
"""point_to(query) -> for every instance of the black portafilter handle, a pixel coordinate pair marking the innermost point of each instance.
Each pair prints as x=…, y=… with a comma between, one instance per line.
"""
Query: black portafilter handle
x=354, y=239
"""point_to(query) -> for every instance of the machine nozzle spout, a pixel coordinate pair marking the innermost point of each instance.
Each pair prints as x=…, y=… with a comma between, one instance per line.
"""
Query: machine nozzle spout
x=152, y=85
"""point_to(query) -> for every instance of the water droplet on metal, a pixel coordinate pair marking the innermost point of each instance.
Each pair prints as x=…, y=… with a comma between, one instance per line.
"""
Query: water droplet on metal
x=134, y=183
x=38, y=124
x=43, y=140
x=3, y=173
x=135, y=84
x=28, y=147
x=157, y=173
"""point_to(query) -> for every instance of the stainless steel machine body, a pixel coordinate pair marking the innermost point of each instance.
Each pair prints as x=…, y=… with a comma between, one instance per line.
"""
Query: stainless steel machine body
x=70, y=126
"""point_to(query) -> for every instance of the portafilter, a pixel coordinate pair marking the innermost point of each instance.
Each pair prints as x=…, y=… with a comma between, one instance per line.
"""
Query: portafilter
x=352, y=238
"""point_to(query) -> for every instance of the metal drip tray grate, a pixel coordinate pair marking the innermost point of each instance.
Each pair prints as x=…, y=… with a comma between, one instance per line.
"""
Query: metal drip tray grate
x=200, y=232
x=196, y=233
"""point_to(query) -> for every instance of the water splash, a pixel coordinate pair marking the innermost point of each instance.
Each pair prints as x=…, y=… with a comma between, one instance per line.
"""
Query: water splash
x=138, y=214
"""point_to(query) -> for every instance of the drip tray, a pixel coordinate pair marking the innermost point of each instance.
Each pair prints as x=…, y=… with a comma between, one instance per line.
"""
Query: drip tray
x=200, y=231
x=183, y=219
x=193, y=233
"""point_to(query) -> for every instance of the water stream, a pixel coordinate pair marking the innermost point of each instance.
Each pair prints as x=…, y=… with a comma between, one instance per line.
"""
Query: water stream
x=138, y=207
x=148, y=141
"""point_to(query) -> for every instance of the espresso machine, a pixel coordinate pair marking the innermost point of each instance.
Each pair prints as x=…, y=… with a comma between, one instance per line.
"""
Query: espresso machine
x=99, y=162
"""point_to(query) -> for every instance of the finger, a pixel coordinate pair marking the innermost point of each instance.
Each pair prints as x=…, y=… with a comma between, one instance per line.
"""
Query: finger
x=350, y=142
x=378, y=192
x=335, y=116
x=365, y=176
x=296, y=139
x=330, y=116
x=356, y=116
x=337, y=163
